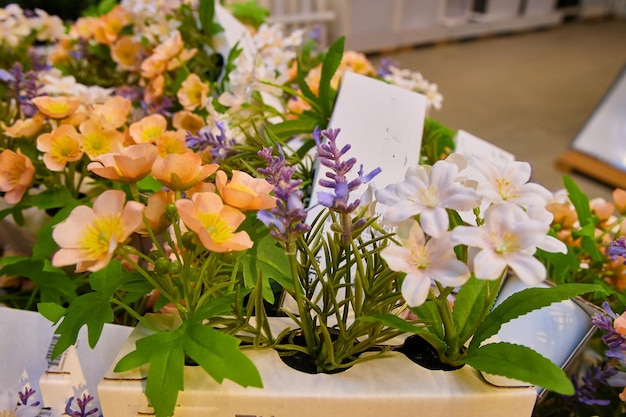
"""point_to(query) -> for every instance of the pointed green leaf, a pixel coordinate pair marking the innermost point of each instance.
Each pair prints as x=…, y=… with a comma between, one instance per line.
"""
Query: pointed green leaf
x=219, y=306
x=270, y=261
x=403, y=325
x=430, y=315
x=520, y=363
x=219, y=355
x=332, y=60
x=578, y=199
x=206, y=13
x=524, y=302
x=51, y=311
x=53, y=284
x=166, y=374
x=469, y=303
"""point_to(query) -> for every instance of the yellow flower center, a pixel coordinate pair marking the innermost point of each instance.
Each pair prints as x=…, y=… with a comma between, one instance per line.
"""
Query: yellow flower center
x=429, y=196
x=64, y=147
x=242, y=187
x=97, y=240
x=505, y=188
x=218, y=229
x=419, y=258
x=151, y=134
x=507, y=242
x=57, y=107
x=95, y=144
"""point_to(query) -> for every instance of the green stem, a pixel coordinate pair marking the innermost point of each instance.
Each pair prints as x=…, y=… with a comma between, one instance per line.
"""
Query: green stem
x=305, y=318
x=134, y=314
x=451, y=335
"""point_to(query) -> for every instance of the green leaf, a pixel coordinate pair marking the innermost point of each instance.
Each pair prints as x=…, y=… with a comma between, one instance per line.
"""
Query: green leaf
x=53, y=284
x=51, y=311
x=521, y=363
x=50, y=199
x=469, y=305
x=110, y=278
x=579, y=200
x=206, y=13
x=524, y=302
x=290, y=128
x=150, y=184
x=166, y=374
x=329, y=67
x=403, y=325
x=249, y=12
x=219, y=355
x=219, y=306
x=430, y=315
x=270, y=261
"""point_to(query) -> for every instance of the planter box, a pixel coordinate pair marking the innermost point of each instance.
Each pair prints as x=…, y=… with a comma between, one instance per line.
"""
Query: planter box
x=488, y=10
x=356, y=392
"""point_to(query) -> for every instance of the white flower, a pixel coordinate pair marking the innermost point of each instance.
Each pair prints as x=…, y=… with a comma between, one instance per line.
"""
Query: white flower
x=10, y=406
x=509, y=237
x=428, y=194
x=424, y=261
x=509, y=183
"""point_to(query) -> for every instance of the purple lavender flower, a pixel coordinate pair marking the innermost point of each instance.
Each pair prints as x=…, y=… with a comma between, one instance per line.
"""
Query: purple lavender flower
x=587, y=388
x=615, y=342
x=316, y=34
x=220, y=145
x=617, y=248
x=82, y=407
x=385, y=64
x=24, y=87
x=24, y=397
x=331, y=157
x=286, y=220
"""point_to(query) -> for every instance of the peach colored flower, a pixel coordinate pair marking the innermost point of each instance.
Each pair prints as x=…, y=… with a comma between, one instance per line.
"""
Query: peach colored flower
x=616, y=272
x=77, y=117
x=153, y=65
x=24, y=128
x=113, y=114
x=619, y=197
x=149, y=129
x=603, y=209
x=171, y=47
x=181, y=171
x=214, y=223
x=90, y=236
x=129, y=165
x=16, y=175
x=108, y=27
x=83, y=27
x=192, y=93
x=172, y=141
x=356, y=62
x=620, y=324
x=127, y=53
x=61, y=146
x=244, y=191
x=56, y=107
x=155, y=214
x=98, y=141
x=201, y=187
x=154, y=90
x=189, y=121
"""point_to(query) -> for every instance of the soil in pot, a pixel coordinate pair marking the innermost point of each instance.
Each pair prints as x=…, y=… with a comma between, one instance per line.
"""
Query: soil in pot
x=418, y=350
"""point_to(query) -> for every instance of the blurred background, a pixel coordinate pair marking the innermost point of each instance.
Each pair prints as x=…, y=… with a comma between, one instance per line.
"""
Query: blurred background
x=524, y=75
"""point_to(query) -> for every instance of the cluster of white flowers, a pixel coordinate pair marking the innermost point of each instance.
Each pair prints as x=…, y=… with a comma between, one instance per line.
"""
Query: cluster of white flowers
x=152, y=20
x=277, y=50
x=513, y=223
x=414, y=81
x=15, y=25
x=55, y=84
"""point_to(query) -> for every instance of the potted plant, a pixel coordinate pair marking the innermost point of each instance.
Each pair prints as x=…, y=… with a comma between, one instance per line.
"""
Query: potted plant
x=193, y=207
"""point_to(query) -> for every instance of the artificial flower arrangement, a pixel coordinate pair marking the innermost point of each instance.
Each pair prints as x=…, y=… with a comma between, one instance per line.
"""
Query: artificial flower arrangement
x=189, y=199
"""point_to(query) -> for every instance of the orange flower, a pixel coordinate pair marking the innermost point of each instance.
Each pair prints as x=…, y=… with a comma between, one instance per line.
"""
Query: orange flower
x=108, y=27
x=356, y=62
x=244, y=191
x=16, y=175
x=214, y=223
x=603, y=209
x=171, y=47
x=619, y=197
x=564, y=214
x=127, y=53
x=155, y=213
x=128, y=166
x=84, y=27
x=181, y=171
x=172, y=142
x=189, y=121
x=24, y=128
x=149, y=129
x=98, y=141
x=113, y=114
x=60, y=146
x=89, y=237
x=56, y=107
x=153, y=65
x=192, y=93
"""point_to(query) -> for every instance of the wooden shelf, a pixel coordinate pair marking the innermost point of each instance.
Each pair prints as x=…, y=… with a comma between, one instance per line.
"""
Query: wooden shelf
x=575, y=161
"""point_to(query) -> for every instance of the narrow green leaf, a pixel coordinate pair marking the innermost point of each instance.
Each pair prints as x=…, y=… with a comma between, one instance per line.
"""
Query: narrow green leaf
x=578, y=199
x=290, y=128
x=520, y=363
x=468, y=305
x=401, y=324
x=206, y=13
x=332, y=60
x=221, y=305
x=524, y=302
x=219, y=355
x=430, y=315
